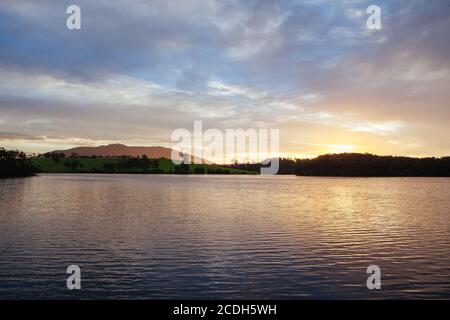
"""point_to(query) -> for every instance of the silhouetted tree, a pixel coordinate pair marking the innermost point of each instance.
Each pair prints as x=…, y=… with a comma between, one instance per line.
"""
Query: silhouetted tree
x=249, y=166
x=57, y=156
x=138, y=164
x=199, y=170
x=213, y=170
x=145, y=163
x=357, y=164
x=181, y=168
x=14, y=163
x=72, y=164
x=109, y=167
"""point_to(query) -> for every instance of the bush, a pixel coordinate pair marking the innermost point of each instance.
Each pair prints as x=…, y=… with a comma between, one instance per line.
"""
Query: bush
x=15, y=163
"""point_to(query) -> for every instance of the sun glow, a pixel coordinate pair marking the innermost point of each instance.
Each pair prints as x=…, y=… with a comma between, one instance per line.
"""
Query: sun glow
x=340, y=148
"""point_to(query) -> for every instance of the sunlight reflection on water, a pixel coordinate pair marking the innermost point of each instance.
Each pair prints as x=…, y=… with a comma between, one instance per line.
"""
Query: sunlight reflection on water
x=159, y=236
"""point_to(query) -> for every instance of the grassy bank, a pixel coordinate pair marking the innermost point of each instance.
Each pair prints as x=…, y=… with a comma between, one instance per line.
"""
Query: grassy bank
x=121, y=165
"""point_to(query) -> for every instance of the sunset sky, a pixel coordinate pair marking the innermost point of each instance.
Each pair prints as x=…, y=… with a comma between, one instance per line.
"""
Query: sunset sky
x=137, y=70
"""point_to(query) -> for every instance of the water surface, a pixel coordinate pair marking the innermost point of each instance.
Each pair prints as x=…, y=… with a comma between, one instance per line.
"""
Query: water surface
x=167, y=236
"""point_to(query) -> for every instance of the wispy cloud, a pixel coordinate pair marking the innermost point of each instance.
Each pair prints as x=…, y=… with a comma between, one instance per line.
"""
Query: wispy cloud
x=310, y=68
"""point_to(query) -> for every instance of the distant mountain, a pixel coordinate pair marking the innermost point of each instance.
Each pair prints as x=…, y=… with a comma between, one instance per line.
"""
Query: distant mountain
x=117, y=150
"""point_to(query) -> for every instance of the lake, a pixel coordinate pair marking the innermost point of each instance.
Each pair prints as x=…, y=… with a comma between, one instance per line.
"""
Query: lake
x=252, y=237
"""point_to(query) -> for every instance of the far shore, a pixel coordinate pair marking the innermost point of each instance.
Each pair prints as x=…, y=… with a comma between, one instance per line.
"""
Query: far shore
x=14, y=163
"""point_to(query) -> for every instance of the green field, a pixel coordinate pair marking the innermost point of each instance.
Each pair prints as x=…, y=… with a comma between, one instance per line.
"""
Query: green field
x=97, y=165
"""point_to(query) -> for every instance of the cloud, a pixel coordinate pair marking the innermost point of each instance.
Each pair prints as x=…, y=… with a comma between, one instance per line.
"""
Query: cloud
x=218, y=88
x=17, y=136
x=379, y=128
x=136, y=72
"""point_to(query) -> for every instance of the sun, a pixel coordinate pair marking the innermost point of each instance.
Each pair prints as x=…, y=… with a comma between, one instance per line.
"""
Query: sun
x=340, y=148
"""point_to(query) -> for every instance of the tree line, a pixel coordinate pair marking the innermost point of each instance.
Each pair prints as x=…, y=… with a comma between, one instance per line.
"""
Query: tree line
x=141, y=164
x=183, y=168
x=358, y=164
x=125, y=164
x=15, y=163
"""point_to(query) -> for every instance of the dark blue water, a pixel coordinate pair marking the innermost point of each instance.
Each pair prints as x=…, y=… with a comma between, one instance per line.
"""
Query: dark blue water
x=157, y=236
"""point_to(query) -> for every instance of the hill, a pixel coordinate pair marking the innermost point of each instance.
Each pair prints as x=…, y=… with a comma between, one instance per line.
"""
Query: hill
x=118, y=150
